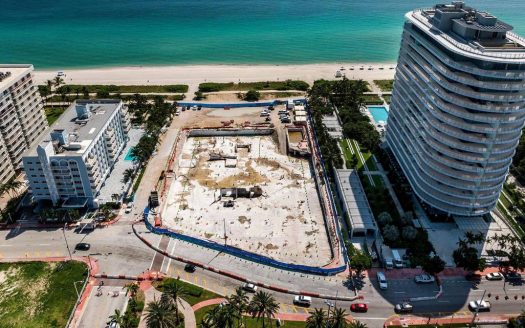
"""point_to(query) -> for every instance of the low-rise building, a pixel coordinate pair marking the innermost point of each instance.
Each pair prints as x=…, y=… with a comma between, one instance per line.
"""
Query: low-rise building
x=72, y=160
x=355, y=204
x=22, y=117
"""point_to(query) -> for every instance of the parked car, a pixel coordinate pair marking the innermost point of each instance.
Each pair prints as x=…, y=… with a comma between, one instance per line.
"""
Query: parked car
x=424, y=279
x=271, y=107
x=512, y=276
x=199, y=107
x=82, y=246
x=404, y=307
x=193, y=107
x=183, y=108
x=129, y=207
x=190, y=268
x=479, y=306
x=302, y=300
x=249, y=287
x=494, y=276
x=381, y=279
x=359, y=307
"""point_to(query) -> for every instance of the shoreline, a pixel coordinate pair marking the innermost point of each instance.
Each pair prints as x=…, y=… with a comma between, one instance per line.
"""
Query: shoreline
x=192, y=75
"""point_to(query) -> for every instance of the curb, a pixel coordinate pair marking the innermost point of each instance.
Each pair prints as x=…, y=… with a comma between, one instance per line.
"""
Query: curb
x=240, y=278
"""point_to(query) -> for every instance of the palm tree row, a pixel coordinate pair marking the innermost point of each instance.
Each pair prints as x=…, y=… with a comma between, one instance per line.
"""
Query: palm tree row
x=332, y=319
x=11, y=188
x=230, y=314
x=164, y=313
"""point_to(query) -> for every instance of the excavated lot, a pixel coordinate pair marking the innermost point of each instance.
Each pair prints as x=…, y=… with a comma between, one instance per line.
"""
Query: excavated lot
x=285, y=222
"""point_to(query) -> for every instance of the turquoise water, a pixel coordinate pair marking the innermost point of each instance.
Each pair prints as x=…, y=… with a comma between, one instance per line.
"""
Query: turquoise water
x=379, y=113
x=74, y=33
x=129, y=157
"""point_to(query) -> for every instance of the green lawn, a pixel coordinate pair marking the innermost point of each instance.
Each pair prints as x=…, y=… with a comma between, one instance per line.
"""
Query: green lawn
x=372, y=100
x=39, y=294
x=54, y=112
x=250, y=323
x=385, y=85
x=195, y=295
x=245, y=86
x=387, y=98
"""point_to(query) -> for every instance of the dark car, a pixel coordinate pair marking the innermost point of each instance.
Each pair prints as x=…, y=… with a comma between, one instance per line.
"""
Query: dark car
x=359, y=307
x=190, y=268
x=82, y=246
x=512, y=276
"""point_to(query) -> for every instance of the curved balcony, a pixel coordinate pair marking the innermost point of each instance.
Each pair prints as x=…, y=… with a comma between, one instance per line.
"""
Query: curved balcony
x=465, y=66
x=458, y=76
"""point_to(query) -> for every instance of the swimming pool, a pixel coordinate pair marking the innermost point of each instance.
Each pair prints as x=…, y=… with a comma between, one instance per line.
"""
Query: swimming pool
x=379, y=113
x=129, y=157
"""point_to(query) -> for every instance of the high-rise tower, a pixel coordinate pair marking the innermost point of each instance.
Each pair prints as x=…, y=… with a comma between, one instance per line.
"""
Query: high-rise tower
x=458, y=106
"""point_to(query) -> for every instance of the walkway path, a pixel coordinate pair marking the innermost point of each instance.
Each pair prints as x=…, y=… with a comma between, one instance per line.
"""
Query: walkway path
x=184, y=307
x=388, y=185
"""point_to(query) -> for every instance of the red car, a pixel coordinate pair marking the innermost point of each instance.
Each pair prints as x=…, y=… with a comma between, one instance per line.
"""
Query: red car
x=359, y=307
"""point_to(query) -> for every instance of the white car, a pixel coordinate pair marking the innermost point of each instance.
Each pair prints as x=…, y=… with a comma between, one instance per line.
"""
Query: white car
x=302, y=300
x=479, y=306
x=249, y=287
x=494, y=276
x=424, y=279
x=381, y=279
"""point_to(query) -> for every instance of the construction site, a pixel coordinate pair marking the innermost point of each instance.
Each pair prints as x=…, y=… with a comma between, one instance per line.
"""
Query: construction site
x=241, y=191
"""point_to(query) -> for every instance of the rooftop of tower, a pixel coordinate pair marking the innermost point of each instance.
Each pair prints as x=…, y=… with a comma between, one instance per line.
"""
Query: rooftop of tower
x=470, y=30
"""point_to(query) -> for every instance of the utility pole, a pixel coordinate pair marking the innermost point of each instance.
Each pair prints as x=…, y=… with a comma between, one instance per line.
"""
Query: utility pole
x=330, y=305
x=225, y=235
x=67, y=245
x=477, y=308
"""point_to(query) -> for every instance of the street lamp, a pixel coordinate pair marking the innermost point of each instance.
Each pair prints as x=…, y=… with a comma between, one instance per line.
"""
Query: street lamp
x=67, y=245
x=330, y=305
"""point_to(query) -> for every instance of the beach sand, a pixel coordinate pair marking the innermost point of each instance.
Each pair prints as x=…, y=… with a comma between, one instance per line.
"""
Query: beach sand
x=192, y=75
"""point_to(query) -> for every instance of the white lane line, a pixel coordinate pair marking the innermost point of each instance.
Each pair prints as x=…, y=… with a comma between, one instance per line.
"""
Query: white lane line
x=399, y=292
x=164, y=260
x=369, y=318
x=514, y=289
x=6, y=245
x=171, y=253
x=44, y=244
x=443, y=301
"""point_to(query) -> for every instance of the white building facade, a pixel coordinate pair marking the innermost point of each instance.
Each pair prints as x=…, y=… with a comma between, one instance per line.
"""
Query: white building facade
x=22, y=117
x=70, y=164
x=458, y=107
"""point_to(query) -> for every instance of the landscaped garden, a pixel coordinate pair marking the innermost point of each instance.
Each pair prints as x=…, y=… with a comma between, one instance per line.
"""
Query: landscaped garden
x=245, y=86
x=39, y=294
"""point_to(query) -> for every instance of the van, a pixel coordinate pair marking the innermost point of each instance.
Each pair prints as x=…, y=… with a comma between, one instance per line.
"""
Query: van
x=381, y=279
x=398, y=262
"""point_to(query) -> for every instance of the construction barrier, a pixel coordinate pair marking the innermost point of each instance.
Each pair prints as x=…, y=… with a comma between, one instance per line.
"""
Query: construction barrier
x=234, y=105
x=242, y=253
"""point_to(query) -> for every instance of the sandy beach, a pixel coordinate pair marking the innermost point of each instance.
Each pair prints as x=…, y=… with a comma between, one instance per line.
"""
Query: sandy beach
x=192, y=75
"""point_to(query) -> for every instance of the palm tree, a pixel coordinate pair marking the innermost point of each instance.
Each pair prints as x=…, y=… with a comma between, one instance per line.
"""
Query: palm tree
x=161, y=315
x=172, y=291
x=11, y=187
x=116, y=317
x=128, y=175
x=132, y=289
x=239, y=303
x=263, y=305
x=338, y=318
x=317, y=319
x=356, y=324
x=57, y=81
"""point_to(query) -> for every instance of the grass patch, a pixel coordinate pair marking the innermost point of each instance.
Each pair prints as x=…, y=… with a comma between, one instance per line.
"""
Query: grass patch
x=385, y=85
x=54, y=112
x=387, y=98
x=372, y=100
x=39, y=294
x=250, y=322
x=139, y=178
x=195, y=295
x=245, y=86
x=94, y=88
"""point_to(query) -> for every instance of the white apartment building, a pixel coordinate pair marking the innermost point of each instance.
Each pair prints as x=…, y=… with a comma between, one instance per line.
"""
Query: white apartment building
x=22, y=117
x=458, y=107
x=72, y=160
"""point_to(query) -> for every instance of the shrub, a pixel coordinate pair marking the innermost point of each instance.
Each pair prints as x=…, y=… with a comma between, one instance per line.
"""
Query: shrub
x=409, y=233
x=391, y=232
x=384, y=218
x=213, y=87
x=252, y=95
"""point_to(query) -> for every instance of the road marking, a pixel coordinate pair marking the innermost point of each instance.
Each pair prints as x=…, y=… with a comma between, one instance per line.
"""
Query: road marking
x=57, y=253
x=37, y=254
x=294, y=308
x=43, y=244
x=305, y=310
x=514, y=289
x=188, y=276
x=155, y=253
x=477, y=290
x=196, y=279
x=399, y=292
x=5, y=245
x=443, y=301
x=48, y=254
x=204, y=283
x=369, y=318
x=178, y=273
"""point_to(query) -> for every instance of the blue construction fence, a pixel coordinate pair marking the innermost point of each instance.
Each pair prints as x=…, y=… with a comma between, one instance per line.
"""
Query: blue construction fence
x=236, y=105
x=242, y=253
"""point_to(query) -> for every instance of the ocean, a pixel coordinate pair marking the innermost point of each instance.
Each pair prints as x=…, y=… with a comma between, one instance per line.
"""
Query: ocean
x=54, y=34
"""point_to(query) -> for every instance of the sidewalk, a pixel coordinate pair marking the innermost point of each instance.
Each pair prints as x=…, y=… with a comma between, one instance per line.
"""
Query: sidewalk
x=398, y=321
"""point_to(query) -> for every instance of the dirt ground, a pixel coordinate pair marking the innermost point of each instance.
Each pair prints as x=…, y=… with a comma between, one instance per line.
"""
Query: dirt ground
x=285, y=223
